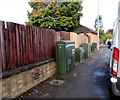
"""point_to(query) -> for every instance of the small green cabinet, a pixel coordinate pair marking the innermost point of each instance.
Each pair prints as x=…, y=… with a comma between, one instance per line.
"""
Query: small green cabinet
x=79, y=54
x=65, y=58
x=94, y=47
x=87, y=50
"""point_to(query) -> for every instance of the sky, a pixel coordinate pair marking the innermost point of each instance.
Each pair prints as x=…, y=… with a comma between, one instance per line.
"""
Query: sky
x=107, y=8
x=16, y=11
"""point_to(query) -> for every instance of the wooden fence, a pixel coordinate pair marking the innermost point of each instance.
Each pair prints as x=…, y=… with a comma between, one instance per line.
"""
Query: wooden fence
x=21, y=45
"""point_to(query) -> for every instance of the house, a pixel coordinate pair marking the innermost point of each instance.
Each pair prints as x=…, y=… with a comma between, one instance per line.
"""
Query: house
x=109, y=31
x=91, y=34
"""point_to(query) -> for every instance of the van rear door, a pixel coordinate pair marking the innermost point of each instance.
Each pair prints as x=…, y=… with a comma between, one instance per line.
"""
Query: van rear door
x=119, y=49
x=119, y=38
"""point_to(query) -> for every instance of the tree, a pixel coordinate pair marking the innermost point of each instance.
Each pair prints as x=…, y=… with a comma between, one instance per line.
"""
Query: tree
x=100, y=23
x=61, y=16
x=103, y=35
x=109, y=35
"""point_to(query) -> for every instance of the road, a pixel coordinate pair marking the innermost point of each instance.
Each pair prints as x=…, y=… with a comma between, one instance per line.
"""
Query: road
x=88, y=80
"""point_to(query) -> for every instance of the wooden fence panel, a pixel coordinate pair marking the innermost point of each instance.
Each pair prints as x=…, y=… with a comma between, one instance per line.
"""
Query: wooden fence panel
x=7, y=46
x=50, y=43
x=53, y=44
x=1, y=65
x=30, y=44
x=10, y=30
x=37, y=44
x=2, y=47
x=46, y=44
x=14, y=46
x=21, y=45
x=27, y=44
x=40, y=44
x=41, y=47
x=38, y=39
x=33, y=43
x=43, y=44
x=18, y=44
x=38, y=29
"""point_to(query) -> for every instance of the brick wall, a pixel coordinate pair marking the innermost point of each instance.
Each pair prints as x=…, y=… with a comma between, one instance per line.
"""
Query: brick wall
x=78, y=39
x=74, y=37
x=93, y=37
x=17, y=84
x=62, y=35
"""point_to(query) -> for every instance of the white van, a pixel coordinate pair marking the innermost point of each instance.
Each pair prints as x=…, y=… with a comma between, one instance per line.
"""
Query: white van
x=115, y=57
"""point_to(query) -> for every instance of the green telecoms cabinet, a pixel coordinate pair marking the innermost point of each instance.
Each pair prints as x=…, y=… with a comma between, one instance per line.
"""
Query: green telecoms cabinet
x=86, y=47
x=79, y=54
x=94, y=47
x=65, y=58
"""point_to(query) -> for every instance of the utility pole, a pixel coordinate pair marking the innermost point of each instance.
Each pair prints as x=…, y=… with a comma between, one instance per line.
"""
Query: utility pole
x=98, y=28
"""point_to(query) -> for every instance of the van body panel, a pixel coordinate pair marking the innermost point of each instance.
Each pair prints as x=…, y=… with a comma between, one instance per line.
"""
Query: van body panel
x=116, y=44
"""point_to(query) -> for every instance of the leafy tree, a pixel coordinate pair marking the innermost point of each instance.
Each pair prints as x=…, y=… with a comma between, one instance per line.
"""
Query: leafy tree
x=103, y=35
x=61, y=16
x=109, y=35
x=100, y=23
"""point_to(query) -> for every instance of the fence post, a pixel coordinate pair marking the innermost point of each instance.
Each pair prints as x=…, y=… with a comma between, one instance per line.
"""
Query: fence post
x=2, y=47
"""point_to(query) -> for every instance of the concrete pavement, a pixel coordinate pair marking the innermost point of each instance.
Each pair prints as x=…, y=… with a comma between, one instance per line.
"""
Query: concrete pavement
x=88, y=80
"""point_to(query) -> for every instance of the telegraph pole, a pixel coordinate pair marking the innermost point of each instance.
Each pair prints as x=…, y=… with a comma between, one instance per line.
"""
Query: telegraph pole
x=98, y=28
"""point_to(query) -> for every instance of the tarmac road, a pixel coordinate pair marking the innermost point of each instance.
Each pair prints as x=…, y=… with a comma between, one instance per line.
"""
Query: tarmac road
x=88, y=80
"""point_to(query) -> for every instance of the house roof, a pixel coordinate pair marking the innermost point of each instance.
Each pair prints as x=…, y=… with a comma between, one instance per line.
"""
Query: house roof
x=109, y=31
x=83, y=29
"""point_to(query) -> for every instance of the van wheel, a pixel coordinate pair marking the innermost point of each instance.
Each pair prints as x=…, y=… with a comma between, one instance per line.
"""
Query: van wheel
x=112, y=95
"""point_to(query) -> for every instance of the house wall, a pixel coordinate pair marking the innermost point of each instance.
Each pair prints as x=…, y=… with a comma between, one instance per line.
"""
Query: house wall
x=17, y=84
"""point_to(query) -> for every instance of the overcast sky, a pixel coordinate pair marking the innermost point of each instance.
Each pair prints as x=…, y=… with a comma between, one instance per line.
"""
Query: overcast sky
x=107, y=8
x=16, y=11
